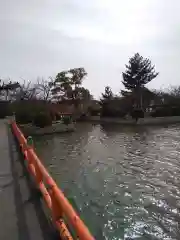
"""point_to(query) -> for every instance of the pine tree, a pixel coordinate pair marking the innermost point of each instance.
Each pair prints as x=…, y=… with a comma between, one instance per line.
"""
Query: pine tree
x=138, y=72
x=107, y=95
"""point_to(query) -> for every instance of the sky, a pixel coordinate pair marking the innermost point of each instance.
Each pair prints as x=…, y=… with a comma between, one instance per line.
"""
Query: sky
x=39, y=38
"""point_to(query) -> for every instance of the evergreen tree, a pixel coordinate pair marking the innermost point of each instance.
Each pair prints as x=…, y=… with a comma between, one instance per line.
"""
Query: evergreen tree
x=107, y=95
x=138, y=72
x=105, y=100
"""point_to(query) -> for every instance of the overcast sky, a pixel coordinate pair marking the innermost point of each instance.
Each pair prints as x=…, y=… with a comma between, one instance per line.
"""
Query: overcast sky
x=43, y=37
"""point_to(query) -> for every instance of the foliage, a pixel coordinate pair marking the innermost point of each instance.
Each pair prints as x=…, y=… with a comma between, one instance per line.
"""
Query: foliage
x=93, y=111
x=3, y=113
x=109, y=112
x=77, y=74
x=169, y=102
x=137, y=113
x=61, y=86
x=26, y=110
x=107, y=95
x=42, y=119
x=83, y=93
x=67, y=84
x=166, y=111
x=111, y=105
x=66, y=120
x=83, y=117
x=4, y=109
x=138, y=73
x=24, y=117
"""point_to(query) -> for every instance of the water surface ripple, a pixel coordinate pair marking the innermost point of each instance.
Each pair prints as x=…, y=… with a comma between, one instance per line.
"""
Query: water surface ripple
x=123, y=181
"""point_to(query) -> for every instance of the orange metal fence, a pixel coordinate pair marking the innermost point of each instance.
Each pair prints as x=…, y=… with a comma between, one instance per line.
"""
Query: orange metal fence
x=53, y=196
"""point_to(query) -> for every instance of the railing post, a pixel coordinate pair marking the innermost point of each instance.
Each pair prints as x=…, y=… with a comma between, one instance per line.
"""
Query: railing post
x=56, y=208
x=57, y=215
x=54, y=197
x=39, y=176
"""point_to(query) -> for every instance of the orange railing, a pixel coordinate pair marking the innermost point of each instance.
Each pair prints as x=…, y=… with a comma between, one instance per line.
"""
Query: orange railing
x=59, y=206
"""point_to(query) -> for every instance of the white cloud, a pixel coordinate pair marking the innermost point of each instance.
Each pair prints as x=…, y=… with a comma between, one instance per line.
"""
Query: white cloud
x=40, y=38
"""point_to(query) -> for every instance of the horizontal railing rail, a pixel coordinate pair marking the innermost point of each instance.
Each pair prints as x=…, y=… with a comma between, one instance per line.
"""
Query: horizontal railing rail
x=54, y=198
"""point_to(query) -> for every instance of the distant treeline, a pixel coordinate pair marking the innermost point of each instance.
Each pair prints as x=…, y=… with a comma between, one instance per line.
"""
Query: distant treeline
x=66, y=87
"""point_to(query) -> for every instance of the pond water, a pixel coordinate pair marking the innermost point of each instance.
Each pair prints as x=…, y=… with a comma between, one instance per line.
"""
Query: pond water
x=123, y=181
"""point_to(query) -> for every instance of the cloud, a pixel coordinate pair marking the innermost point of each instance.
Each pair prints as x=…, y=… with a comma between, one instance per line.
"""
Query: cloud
x=41, y=38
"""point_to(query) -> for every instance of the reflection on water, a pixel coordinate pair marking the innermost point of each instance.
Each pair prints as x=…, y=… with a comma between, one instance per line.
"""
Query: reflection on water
x=123, y=181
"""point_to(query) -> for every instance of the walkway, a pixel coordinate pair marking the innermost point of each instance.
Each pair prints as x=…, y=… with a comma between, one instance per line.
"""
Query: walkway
x=21, y=213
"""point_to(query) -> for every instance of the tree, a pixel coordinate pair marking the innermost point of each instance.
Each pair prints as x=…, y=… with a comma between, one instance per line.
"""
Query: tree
x=77, y=75
x=44, y=89
x=174, y=92
x=67, y=84
x=105, y=102
x=107, y=95
x=61, y=86
x=84, y=94
x=168, y=102
x=26, y=91
x=138, y=73
x=170, y=96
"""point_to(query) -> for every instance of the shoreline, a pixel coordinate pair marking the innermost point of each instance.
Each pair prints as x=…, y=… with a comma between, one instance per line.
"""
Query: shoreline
x=29, y=129
x=141, y=121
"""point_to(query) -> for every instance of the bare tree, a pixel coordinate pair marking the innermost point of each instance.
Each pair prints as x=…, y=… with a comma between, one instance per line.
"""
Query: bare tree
x=169, y=96
x=26, y=91
x=44, y=88
x=174, y=91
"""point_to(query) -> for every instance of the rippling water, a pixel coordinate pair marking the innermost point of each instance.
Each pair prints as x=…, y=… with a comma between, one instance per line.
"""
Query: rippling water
x=123, y=181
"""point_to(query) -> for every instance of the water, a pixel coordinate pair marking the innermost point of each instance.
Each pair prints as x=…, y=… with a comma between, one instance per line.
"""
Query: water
x=123, y=181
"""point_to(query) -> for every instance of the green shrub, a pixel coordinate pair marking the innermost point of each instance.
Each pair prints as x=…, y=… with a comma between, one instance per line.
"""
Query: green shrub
x=93, y=111
x=3, y=113
x=161, y=112
x=4, y=109
x=83, y=117
x=166, y=111
x=42, y=119
x=113, y=113
x=137, y=113
x=176, y=111
x=66, y=120
x=24, y=117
